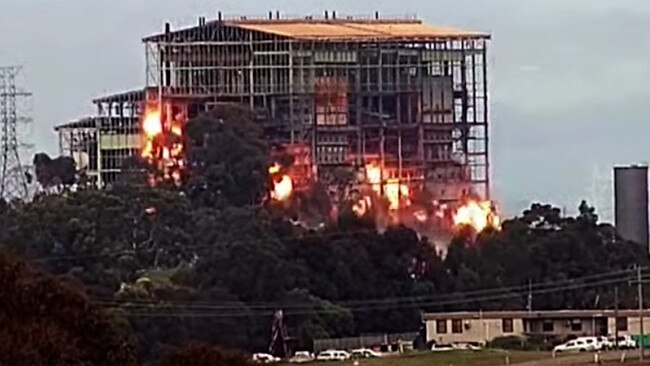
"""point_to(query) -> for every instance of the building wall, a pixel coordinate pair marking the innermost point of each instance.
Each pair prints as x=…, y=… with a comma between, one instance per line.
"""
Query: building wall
x=565, y=327
x=473, y=330
x=633, y=325
x=485, y=330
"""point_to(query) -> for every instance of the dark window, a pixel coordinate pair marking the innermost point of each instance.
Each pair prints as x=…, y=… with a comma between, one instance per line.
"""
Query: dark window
x=441, y=326
x=547, y=326
x=576, y=325
x=506, y=324
x=457, y=326
x=621, y=323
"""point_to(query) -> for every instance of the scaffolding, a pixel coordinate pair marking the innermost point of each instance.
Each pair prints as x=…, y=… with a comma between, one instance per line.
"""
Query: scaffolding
x=411, y=96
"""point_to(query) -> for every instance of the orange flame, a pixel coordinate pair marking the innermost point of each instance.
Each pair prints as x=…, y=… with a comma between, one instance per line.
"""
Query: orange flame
x=477, y=214
x=274, y=169
x=162, y=145
x=282, y=189
x=282, y=183
x=395, y=192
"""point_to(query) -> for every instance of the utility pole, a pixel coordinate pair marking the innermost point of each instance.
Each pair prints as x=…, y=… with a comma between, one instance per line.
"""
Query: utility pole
x=529, y=307
x=616, y=317
x=640, y=295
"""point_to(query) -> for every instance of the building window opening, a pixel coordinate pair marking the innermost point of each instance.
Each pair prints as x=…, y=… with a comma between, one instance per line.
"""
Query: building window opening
x=441, y=326
x=576, y=325
x=621, y=324
x=457, y=326
x=547, y=326
x=507, y=325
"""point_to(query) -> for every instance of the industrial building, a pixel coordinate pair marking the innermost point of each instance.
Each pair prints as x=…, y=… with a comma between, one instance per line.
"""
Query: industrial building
x=631, y=203
x=410, y=97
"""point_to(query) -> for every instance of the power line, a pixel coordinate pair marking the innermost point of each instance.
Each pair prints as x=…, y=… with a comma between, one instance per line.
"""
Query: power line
x=536, y=288
x=242, y=311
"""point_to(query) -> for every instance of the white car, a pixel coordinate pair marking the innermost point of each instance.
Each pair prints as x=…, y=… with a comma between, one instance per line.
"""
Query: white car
x=623, y=342
x=442, y=347
x=605, y=343
x=594, y=343
x=333, y=355
x=364, y=353
x=265, y=358
x=302, y=357
x=576, y=345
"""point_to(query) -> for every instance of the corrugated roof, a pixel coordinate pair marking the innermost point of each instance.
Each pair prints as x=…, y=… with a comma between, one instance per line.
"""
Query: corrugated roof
x=333, y=29
x=353, y=30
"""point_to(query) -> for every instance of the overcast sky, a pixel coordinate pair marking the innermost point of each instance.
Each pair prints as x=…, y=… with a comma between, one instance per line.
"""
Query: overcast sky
x=569, y=78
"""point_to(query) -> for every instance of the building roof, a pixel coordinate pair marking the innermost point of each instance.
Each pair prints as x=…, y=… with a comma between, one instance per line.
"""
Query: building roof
x=86, y=122
x=522, y=314
x=351, y=30
x=134, y=95
x=345, y=29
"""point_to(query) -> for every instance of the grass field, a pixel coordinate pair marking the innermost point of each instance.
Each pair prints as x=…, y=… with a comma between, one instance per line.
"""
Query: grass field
x=460, y=358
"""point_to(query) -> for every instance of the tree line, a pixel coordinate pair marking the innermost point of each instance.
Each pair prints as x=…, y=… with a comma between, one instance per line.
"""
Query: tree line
x=145, y=269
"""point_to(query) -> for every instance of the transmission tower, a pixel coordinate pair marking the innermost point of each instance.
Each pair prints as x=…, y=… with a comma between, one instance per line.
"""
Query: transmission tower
x=14, y=176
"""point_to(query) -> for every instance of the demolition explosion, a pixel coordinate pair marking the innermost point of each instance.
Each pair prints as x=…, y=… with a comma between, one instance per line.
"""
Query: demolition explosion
x=390, y=115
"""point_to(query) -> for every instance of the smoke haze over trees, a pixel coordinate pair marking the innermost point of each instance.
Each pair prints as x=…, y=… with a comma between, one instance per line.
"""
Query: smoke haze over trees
x=207, y=266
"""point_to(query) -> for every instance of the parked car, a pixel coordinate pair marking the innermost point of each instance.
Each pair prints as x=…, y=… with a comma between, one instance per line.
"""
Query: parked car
x=593, y=343
x=442, y=347
x=364, y=353
x=467, y=346
x=576, y=345
x=333, y=355
x=265, y=358
x=605, y=343
x=302, y=357
x=623, y=342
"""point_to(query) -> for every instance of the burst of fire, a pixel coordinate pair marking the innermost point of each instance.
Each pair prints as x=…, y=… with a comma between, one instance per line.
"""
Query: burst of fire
x=163, y=145
x=477, y=214
x=394, y=191
x=282, y=183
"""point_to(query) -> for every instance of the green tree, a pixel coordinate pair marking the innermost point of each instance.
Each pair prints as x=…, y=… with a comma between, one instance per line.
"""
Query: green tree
x=227, y=158
x=47, y=322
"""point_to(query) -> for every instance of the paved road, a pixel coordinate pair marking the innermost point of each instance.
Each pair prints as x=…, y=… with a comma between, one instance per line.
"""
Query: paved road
x=582, y=359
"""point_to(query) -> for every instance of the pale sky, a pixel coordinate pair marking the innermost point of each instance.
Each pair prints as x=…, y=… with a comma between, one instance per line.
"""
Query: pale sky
x=568, y=78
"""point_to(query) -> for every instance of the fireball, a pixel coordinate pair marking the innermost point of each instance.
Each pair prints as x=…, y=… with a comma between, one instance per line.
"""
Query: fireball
x=282, y=189
x=162, y=146
x=274, y=169
x=152, y=124
x=478, y=215
x=282, y=183
x=396, y=193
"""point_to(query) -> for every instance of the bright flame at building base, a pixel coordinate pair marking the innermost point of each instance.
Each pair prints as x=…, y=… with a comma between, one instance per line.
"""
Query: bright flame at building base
x=282, y=183
x=478, y=215
x=395, y=192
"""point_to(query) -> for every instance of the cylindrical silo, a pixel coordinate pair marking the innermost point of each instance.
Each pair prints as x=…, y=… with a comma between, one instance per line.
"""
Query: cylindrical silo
x=631, y=203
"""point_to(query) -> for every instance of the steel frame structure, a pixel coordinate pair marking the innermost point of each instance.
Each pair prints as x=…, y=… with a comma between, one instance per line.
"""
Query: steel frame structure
x=101, y=145
x=416, y=105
